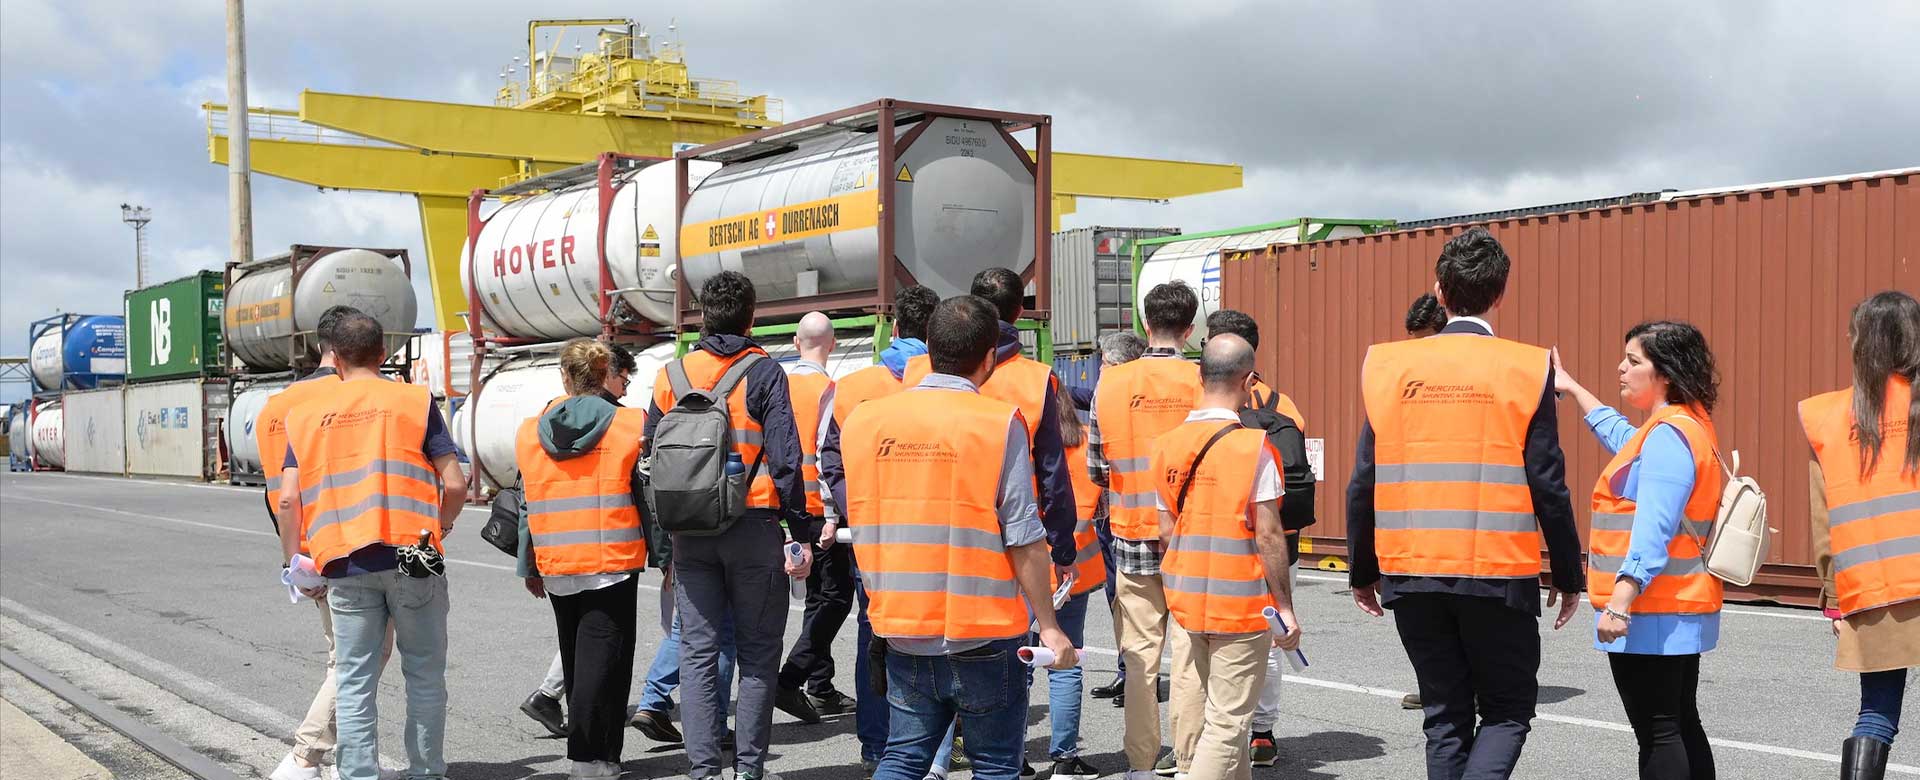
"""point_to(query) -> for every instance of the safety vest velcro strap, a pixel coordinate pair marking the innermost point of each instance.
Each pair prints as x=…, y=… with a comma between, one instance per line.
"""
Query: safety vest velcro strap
x=376, y=501
x=1623, y=521
x=1129, y=465
x=1483, y=473
x=915, y=533
x=1456, y=520
x=1219, y=545
x=749, y=437
x=577, y=503
x=625, y=535
x=1873, y=507
x=1141, y=500
x=938, y=582
x=1213, y=586
x=1676, y=566
x=346, y=479
x=1875, y=552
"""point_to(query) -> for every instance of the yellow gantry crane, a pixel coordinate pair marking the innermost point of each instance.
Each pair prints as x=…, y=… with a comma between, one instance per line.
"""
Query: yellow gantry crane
x=627, y=94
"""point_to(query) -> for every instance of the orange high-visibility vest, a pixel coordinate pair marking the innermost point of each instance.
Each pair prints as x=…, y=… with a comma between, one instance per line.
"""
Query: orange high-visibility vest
x=1282, y=404
x=1449, y=416
x=704, y=369
x=860, y=387
x=809, y=393
x=363, y=477
x=580, y=511
x=1214, y=579
x=1684, y=587
x=1135, y=403
x=1874, y=517
x=922, y=496
x=1019, y=380
x=1089, y=569
x=270, y=430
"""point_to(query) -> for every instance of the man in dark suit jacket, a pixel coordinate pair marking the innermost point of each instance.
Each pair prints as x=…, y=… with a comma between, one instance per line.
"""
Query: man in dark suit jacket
x=1474, y=639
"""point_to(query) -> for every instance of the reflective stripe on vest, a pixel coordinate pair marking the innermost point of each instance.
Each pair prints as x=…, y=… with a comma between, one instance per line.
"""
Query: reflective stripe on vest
x=1214, y=579
x=1089, y=567
x=703, y=371
x=1683, y=586
x=363, y=477
x=809, y=392
x=581, y=516
x=1873, y=518
x=922, y=491
x=270, y=431
x=1450, y=415
x=1134, y=404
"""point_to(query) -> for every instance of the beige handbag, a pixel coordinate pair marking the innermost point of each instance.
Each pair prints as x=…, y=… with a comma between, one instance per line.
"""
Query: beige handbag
x=1738, y=543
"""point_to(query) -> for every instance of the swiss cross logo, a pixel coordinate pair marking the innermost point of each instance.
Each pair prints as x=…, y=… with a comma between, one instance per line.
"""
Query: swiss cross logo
x=772, y=224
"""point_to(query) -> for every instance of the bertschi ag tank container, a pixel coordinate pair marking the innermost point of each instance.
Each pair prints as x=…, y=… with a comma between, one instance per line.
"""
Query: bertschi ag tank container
x=49, y=452
x=539, y=270
x=1093, y=283
x=77, y=351
x=1195, y=258
x=1770, y=275
x=94, y=422
x=173, y=329
x=243, y=450
x=173, y=428
x=836, y=212
x=274, y=304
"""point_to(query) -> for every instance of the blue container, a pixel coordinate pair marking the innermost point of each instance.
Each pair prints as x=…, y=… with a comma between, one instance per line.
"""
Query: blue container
x=1078, y=370
x=77, y=351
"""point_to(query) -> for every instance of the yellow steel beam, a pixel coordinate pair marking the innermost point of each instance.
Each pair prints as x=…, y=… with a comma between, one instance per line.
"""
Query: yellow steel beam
x=1137, y=178
x=377, y=168
x=443, y=221
x=501, y=132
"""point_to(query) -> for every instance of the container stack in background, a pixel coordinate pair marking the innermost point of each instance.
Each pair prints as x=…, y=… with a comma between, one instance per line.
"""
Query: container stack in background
x=177, y=387
x=80, y=358
x=1092, y=295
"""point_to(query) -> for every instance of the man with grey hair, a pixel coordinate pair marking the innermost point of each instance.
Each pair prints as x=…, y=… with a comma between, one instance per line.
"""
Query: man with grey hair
x=1120, y=347
x=1115, y=348
x=1225, y=563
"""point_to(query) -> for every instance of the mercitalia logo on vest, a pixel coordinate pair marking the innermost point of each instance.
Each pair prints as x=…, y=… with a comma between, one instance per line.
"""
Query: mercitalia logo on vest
x=1148, y=404
x=351, y=419
x=893, y=449
x=1418, y=391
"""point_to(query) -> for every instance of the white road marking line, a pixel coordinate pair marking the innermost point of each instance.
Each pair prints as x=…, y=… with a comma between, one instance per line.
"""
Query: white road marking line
x=1796, y=614
x=154, y=482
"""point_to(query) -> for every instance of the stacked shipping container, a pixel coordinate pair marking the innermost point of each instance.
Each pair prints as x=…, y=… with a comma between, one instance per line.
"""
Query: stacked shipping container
x=1770, y=275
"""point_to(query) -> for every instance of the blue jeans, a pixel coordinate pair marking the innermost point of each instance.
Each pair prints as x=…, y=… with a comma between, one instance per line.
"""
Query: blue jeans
x=362, y=605
x=1881, y=694
x=986, y=688
x=1063, y=690
x=663, y=676
x=869, y=711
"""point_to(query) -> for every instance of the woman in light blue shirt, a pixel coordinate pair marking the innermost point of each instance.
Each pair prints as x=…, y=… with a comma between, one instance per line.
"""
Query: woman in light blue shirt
x=1668, y=373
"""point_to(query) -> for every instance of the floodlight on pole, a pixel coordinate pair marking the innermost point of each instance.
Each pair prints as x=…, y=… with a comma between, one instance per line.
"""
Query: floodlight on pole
x=138, y=217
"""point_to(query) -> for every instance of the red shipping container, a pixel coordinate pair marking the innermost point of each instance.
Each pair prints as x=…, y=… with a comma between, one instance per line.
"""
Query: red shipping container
x=1770, y=275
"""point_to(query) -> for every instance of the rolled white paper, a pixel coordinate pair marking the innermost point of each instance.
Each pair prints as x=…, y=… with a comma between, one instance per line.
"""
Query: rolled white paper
x=1036, y=656
x=796, y=586
x=1295, y=658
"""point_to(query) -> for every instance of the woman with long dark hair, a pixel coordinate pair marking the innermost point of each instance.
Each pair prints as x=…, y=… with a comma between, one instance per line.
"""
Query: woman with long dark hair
x=1865, y=494
x=1657, y=609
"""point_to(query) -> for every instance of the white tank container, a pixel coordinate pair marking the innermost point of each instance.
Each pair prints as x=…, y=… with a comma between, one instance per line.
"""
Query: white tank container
x=19, y=432
x=243, y=450
x=1197, y=262
x=263, y=309
x=487, y=423
x=539, y=270
x=50, y=437
x=446, y=363
x=804, y=222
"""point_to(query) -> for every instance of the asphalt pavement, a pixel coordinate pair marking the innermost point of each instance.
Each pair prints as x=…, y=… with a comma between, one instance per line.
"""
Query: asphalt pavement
x=164, y=599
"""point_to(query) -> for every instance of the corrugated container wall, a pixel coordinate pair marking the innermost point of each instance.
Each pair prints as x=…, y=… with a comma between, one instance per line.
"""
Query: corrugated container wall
x=1093, y=283
x=95, y=430
x=173, y=329
x=1769, y=275
x=173, y=428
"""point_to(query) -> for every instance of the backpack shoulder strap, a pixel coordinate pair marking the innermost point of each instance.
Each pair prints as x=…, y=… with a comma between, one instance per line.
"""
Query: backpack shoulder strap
x=1180, y=503
x=735, y=373
x=677, y=380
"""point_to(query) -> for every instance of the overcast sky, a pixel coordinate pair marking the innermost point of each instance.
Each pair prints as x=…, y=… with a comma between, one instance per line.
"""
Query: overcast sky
x=1339, y=109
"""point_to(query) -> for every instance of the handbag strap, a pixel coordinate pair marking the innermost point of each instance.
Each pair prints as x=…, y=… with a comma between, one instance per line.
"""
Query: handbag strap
x=1180, y=504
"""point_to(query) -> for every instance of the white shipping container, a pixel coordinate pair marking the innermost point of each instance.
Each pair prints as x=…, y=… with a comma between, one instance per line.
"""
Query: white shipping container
x=173, y=428
x=1093, y=283
x=95, y=422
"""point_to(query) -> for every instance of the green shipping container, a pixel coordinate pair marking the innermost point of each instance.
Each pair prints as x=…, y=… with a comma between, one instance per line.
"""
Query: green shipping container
x=173, y=329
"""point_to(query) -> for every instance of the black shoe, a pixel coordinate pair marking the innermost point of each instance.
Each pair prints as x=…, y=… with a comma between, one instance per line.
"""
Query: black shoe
x=546, y=711
x=1168, y=766
x=1074, y=769
x=1027, y=772
x=1863, y=758
x=1119, y=700
x=1112, y=689
x=831, y=703
x=1262, y=749
x=793, y=702
x=656, y=726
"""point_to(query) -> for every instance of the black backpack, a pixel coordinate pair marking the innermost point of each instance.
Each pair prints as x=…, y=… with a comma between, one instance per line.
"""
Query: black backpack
x=1296, y=512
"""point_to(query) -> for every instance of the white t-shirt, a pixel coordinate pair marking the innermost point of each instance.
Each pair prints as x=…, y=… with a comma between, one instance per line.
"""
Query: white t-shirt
x=1266, y=477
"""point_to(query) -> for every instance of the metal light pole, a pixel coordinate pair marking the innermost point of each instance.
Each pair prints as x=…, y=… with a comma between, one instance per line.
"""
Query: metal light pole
x=138, y=217
x=239, y=167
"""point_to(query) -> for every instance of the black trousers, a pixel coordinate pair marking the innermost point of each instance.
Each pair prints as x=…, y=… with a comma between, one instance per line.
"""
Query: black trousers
x=597, y=632
x=1478, y=661
x=1658, y=692
x=829, y=602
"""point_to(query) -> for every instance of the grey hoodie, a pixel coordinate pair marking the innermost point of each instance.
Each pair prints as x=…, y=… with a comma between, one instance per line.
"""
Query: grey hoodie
x=568, y=430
